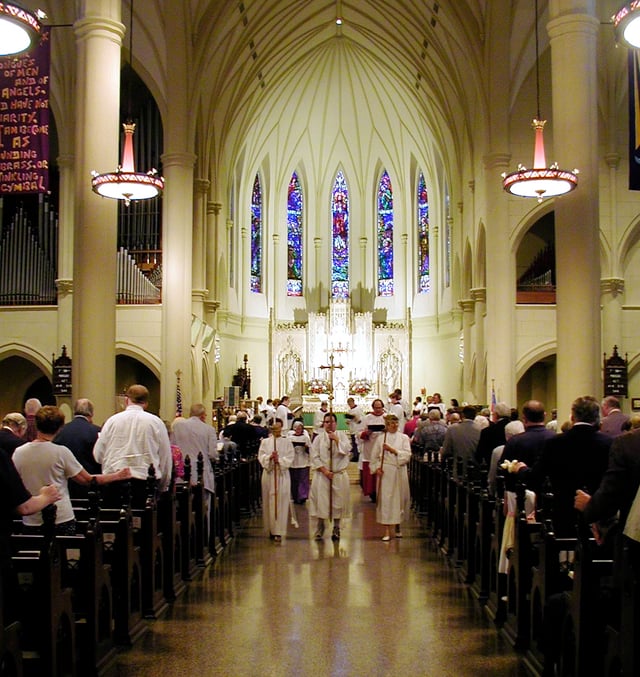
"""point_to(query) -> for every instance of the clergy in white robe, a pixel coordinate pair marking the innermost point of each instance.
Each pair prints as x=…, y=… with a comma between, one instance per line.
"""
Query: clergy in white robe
x=330, y=493
x=276, y=456
x=390, y=456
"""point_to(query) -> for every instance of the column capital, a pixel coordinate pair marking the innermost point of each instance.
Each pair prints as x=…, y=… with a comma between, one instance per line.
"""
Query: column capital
x=201, y=186
x=497, y=161
x=612, y=160
x=467, y=305
x=215, y=208
x=612, y=285
x=229, y=224
x=276, y=239
x=211, y=306
x=244, y=232
x=479, y=294
x=64, y=286
x=104, y=27
x=199, y=295
x=317, y=241
x=181, y=160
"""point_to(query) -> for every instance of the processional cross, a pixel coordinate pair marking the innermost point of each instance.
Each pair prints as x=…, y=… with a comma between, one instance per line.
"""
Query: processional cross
x=331, y=367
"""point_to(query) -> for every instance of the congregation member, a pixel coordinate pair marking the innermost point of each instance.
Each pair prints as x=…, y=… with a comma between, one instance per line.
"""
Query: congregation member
x=275, y=455
x=31, y=407
x=576, y=459
x=461, y=440
x=14, y=427
x=512, y=428
x=299, y=469
x=243, y=436
x=42, y=462
x=429, y=436
x=261, y=431
x=80, y=436
x=355, y=422
x=493, y=435
x=613, y=420
x=330, y=493
x=16, y=499
x=527, y=447
x=135, y=439
x=412, y=423
x=390, y=456
x=194, y=436
x=373, y=427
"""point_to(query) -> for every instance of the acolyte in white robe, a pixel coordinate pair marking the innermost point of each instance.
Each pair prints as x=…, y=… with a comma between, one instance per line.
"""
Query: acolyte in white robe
x=323, y=452
x=273, y=526
x=394, y=499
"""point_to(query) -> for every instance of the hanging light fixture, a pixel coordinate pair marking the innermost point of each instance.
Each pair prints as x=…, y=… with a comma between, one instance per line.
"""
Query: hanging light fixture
x=20, y=29
x=540, y=181
x=626, y=23
x=125, y=183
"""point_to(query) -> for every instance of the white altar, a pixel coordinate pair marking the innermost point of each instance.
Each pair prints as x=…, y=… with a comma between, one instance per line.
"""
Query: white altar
x=364, y=351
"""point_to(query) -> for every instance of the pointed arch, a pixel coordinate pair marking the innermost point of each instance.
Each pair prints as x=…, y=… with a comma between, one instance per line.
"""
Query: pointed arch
x=295, y=215
x=256, y=235
x=384, y=234
x=340, y=237
x=422, y=216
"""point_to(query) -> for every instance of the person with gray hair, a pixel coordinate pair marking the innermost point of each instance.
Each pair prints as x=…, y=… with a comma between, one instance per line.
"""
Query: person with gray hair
x=430, y=433
x=613, y=420
x=31, y=408
x=512, y=428
x=80, y=436
x=493, y=435
x=14, y=426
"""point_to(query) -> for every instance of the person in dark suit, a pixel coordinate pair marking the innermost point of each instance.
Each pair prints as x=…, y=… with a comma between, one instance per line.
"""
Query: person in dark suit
x=527, y=447
x=493, y=436
x=576, y=459
x=80, y=436
x=14, y=426
x=461, y=440
x=614, y=420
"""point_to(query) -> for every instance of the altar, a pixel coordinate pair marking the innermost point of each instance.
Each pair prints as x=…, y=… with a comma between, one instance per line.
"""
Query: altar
x=369, y=359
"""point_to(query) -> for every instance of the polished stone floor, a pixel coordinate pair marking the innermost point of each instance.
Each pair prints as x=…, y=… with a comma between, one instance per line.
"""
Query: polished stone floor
x=360, y=607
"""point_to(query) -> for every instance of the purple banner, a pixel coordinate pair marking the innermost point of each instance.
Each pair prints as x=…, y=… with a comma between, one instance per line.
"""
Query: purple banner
x=24, y=120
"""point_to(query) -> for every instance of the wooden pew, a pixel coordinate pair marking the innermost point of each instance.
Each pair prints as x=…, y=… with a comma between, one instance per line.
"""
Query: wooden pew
x=45, y=607
x=170, y=527
x=481, y=584
x=10, y=652
x=186, y=517
x=495, y=607
x=201, y=512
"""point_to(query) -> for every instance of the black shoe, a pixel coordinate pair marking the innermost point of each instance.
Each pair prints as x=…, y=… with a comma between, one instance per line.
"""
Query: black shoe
x=335, y=536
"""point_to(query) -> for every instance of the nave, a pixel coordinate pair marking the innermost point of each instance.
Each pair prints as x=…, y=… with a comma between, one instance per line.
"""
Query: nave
x=357, y=607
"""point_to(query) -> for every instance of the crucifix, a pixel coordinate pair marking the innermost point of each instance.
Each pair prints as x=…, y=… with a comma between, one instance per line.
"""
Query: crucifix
x=331, y=367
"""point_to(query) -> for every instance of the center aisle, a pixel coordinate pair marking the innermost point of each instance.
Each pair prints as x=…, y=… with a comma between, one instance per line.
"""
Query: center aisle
x=358, y=607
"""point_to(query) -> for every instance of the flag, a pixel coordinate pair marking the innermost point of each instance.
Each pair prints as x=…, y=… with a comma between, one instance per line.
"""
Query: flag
x=178, y=396
x=493, y=401
x=634, y=120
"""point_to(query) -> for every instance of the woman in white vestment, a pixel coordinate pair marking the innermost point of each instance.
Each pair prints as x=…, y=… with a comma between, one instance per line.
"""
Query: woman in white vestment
x=276, y=456
x=390, y=456
x=330, y=492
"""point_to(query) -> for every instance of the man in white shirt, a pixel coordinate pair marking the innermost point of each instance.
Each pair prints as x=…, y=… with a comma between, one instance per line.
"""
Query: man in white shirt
x=135, y=439
x=284, y=413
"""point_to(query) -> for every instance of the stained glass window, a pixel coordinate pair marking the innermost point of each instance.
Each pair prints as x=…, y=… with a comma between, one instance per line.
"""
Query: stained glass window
x=385, y=236
x=294, y=237
x=423, y=237
x=340, y=238
x=256, y=236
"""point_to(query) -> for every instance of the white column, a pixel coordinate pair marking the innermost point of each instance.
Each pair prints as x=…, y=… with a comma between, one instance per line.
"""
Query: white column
x=467, y=306
x=275, y=278
x=176, y=279
x=573, y=30
x=479, y=296
x=64, y=283
x=200, y=244
x=99, y=36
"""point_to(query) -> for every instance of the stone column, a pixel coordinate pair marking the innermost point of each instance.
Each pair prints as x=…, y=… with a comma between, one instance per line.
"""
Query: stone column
x=200, y=244
x=467, y=306
x=64, y=283
x=573, y=30
x=99, y=34
x=612, y=289
x=479, y=296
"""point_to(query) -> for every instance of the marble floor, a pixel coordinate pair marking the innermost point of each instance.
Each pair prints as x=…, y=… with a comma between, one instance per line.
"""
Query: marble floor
x=357, y=607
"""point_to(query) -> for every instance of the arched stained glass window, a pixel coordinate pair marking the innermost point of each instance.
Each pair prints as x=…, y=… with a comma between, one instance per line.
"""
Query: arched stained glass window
x=294, y=237
x=424, y=281
x=256, y=236
x=385, y=236
x=340, y=238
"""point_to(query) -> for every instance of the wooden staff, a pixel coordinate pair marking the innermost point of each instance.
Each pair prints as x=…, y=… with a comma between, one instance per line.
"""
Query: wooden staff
x=275, y=479
x=384, y=441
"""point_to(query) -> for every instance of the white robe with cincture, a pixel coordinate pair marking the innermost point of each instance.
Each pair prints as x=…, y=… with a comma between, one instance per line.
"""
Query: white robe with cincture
x=276, y=526
x=324, y=452
x=394, y=499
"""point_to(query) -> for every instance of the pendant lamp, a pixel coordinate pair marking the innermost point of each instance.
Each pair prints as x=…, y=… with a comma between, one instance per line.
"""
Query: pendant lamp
x=626, y=23
x=125, y=183
x=541, y=181
x=20, y=29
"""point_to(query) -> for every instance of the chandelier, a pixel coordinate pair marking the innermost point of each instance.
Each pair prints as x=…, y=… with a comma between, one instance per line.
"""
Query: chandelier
x=540, y=181
x=626, y=23
x=125, y=183
x=19, y=29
